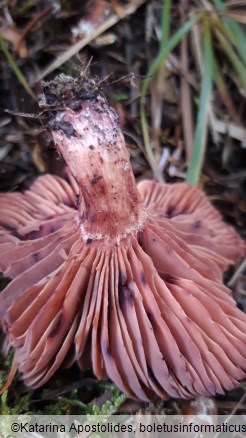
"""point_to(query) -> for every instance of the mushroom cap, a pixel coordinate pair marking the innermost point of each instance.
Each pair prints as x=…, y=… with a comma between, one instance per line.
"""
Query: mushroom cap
x=150, y=313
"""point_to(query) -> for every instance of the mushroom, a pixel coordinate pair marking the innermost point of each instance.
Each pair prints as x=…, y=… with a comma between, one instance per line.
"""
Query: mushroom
x=124, y=278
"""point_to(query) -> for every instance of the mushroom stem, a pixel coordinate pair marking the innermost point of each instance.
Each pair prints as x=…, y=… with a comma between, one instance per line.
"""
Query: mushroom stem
x=93, y=146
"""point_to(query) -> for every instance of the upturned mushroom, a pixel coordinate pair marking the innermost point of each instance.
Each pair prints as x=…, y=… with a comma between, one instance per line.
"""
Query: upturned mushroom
x=126, y=279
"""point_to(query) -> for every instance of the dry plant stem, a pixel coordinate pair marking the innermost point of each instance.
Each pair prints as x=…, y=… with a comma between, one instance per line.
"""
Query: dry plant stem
x=235, y=3
x=237, y=17
x=186, y=107
x=237, y=273
x=233, y=412
x=99, y=161
x=159, y=84
x=10, y=377
x=156, y=109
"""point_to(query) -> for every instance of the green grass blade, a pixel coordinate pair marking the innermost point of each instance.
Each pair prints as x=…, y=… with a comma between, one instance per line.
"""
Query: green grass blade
x=15, y=68
x=165, y=23
x=236, y=62
x=166, y=50
x=239, y=37
x=159, y=60
x=200, y=136
x=225, y=95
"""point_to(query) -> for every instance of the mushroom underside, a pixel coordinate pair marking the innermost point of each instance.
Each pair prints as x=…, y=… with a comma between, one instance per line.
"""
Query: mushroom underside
x=151, y=314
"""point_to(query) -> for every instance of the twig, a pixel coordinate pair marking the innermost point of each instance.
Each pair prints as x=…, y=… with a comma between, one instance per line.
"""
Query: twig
x=232, y=412
x=237, y=273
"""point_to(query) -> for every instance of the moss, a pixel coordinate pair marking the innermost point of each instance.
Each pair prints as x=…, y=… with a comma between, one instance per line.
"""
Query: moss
x=19, y=399
x=112, y=404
